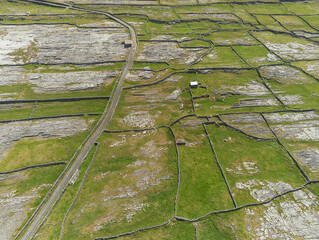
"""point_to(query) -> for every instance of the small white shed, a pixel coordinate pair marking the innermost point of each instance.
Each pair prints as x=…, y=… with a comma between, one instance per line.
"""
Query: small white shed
x=193, y=84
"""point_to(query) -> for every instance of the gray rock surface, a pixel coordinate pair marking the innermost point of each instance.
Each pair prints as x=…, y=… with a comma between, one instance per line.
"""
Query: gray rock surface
x=54, y=44
x=309, y=158
x=252, y=88
x=304, y=130
x=291, y=116
x=284, y=74
x=14, y=206
x=295, y=50
x=168, y=51
x=290, y=219
x=11, y=75
x=251, y=123
x=69, y=81
x=257, y=102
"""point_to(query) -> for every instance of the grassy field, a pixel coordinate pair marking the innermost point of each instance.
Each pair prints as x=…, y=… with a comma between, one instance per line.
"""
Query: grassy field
x=64, y=108
x=202, y=188
x=221, y=57
x=272, y=162
x=245, y=57
x=125, y=191
x=32, y=151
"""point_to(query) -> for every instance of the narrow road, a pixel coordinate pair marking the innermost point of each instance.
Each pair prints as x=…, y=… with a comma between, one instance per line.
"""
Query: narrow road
x=32, y=228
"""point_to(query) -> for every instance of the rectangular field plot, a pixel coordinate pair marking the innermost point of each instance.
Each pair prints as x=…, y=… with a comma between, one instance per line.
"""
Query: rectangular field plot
x=202, y=187
x=221, y=57
x=57, y=81
x=257, y=55
x=250, y=165
x=65, y=108
x=21, y=193
x=144, y=107
x=29, y=143
x=288, y=47
x=15, y=111
x=299, y=133
x=60, y=44
x=233, y=91
x=231, y=38
x=132, y=184
x=292, y=86
x=294, y=23
x=170, y=52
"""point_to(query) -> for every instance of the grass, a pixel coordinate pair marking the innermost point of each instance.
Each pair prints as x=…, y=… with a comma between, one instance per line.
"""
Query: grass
x=240, y=11
x=155, y=100
x=177, y=2
x=195, y=43
x=16, y=111
x=303, y=8
x=33, y=151
x=116, y=171
x=221, y=57
x=26, y=92
x=312, y=20
x=231, y=37
x=137, y=21
x=267, y=9
x=308, y=66
x=270, y=23
x=206, y=25
x=272, y=161
x=230, y=26
x=306, y=92
x=202, y=188
x=152, y=66
x=174, y=231
x=293, y=23
x=157, y=28
x=216, y=8
x=257, y=55
x=257, y=127
x=64, y=108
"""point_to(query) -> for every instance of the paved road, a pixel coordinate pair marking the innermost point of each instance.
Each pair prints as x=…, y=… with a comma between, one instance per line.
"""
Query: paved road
x=38, y=219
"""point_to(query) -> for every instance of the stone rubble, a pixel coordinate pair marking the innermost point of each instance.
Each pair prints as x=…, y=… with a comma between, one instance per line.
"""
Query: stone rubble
x=141, y=119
